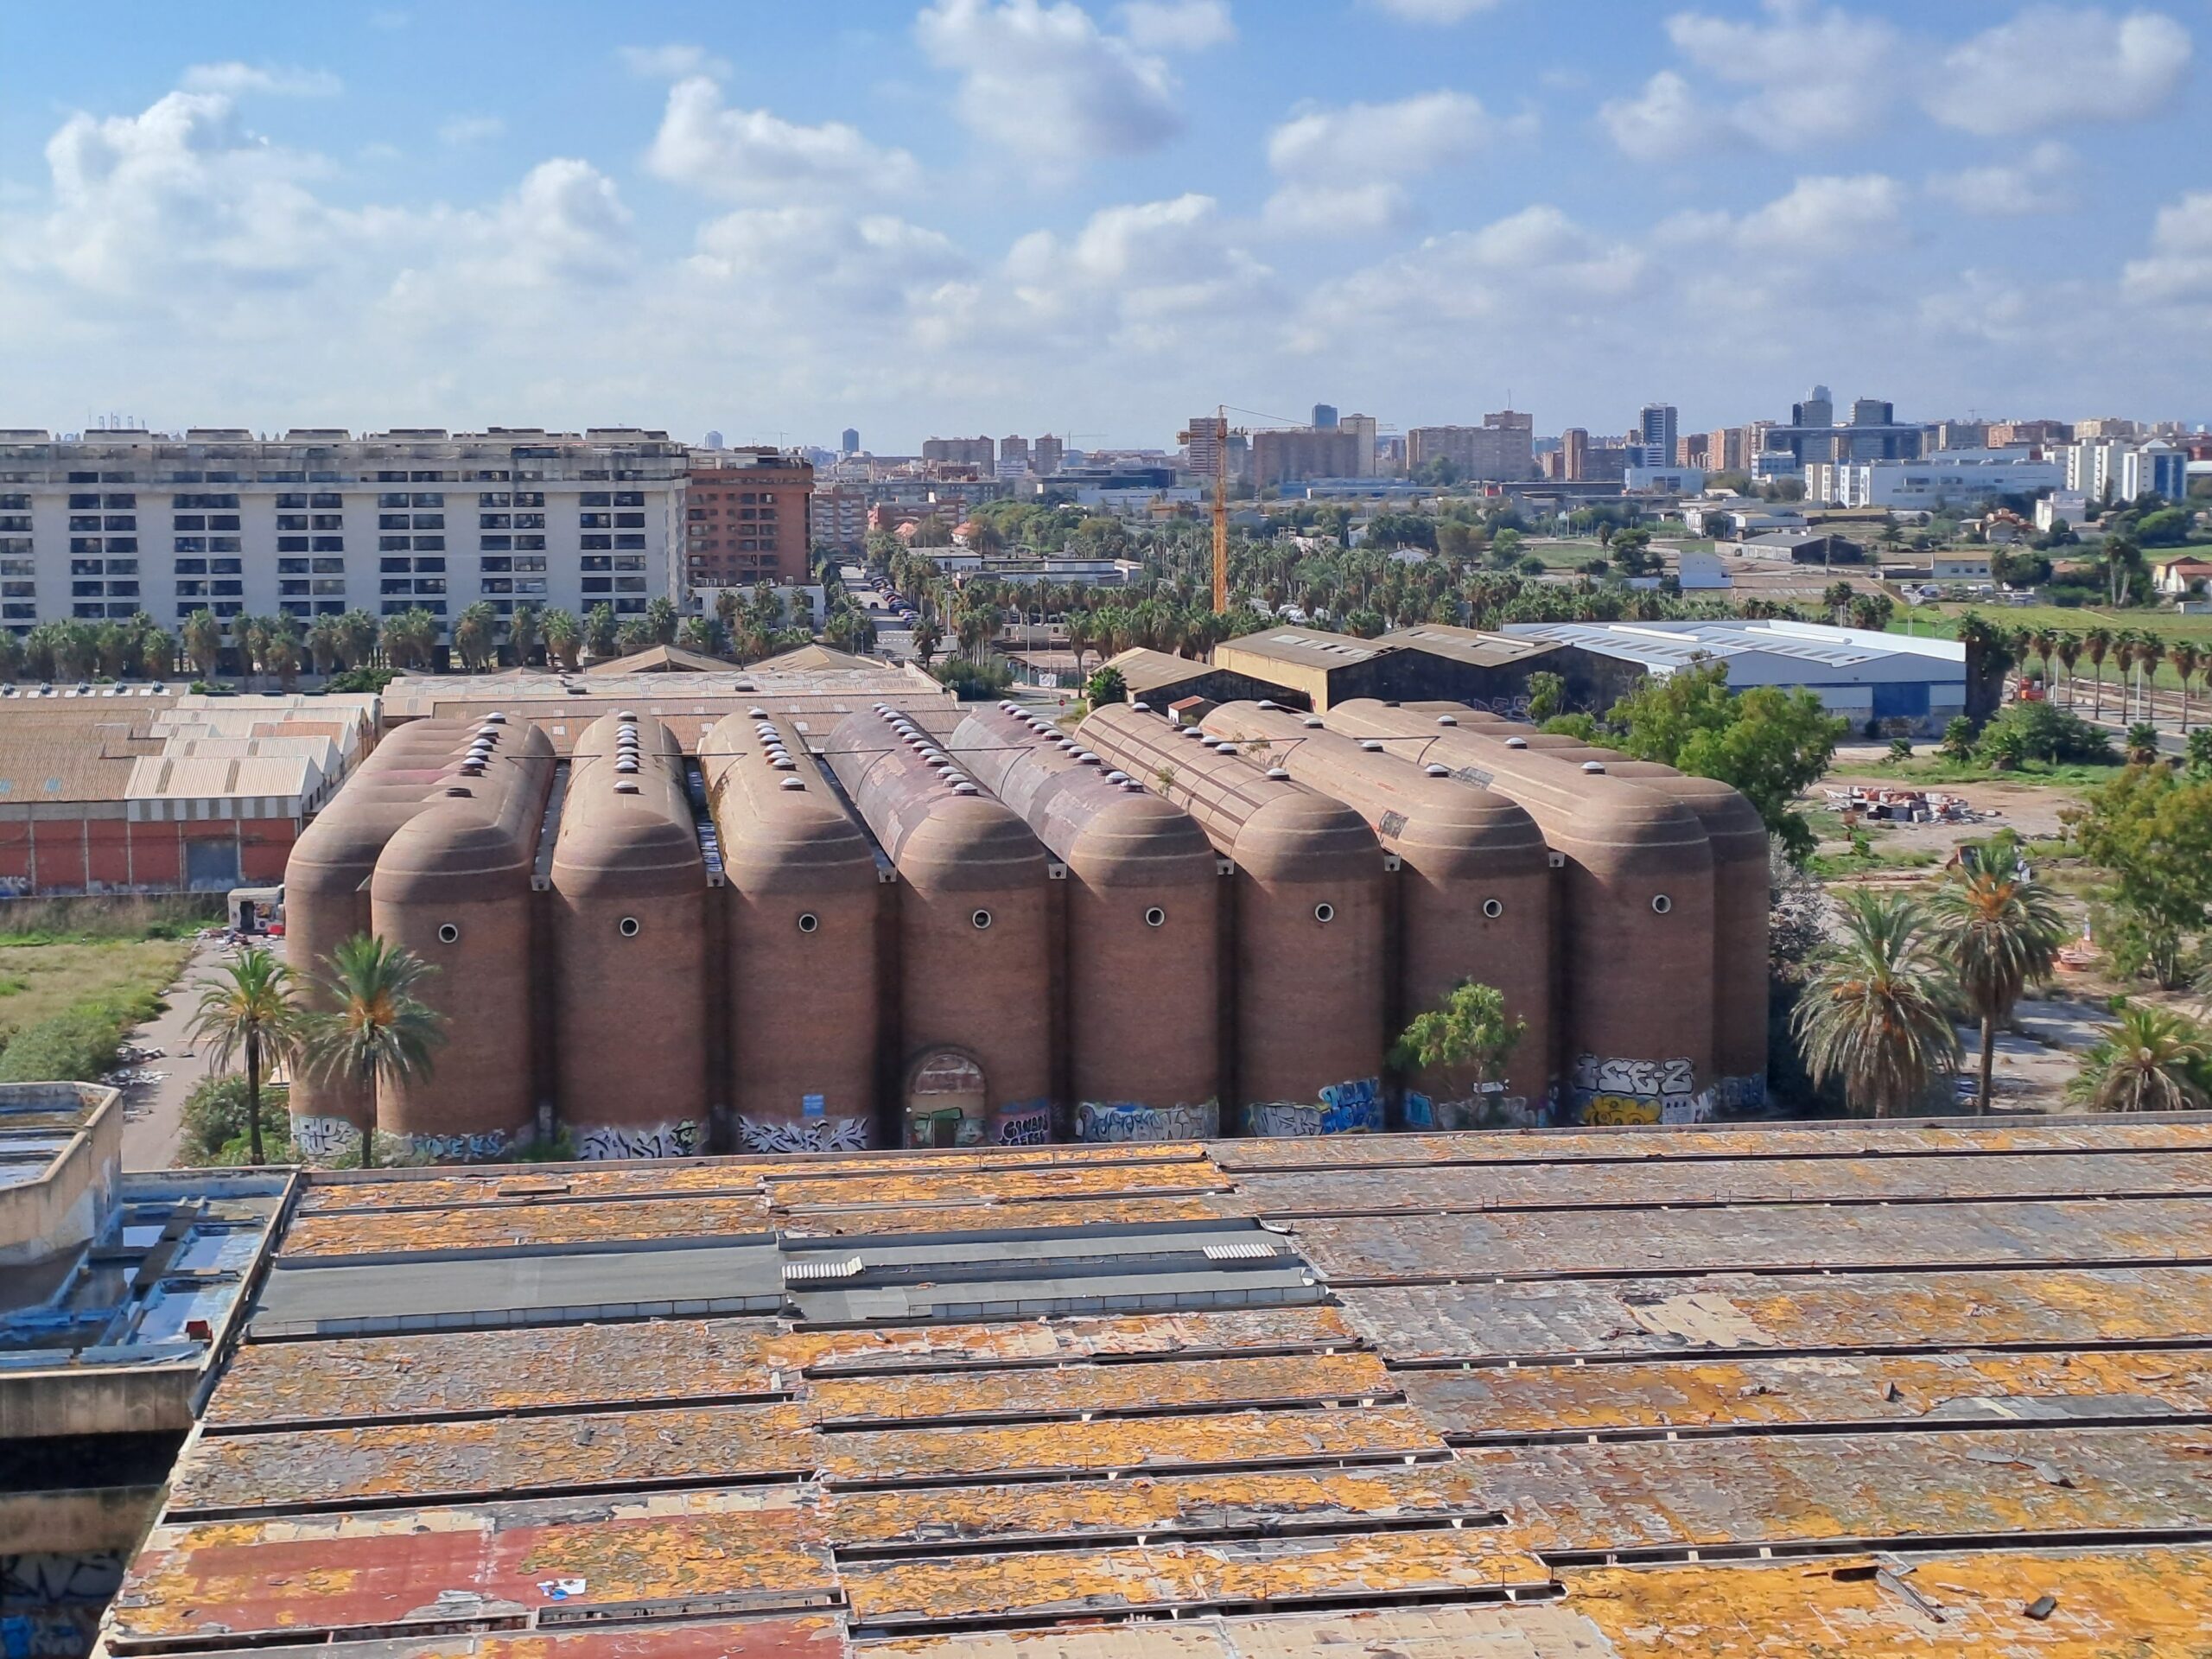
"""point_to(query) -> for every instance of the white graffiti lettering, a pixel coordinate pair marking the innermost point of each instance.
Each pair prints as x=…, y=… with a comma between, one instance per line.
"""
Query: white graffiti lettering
x=815, y=1135
x=1029, y=1124
x=682, y=1139
x=1483, y=1111
x=325, y=1140
x=1353, y=1108
x=484, y=1146
x=1103, y=1121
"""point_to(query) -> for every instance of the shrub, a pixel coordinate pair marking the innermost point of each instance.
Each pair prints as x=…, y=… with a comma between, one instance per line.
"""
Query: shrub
x=47, y=921
x=76, y=1047
x=1105, y=686
x=214, y=1123
x=971, y=684
x=373, y=680
x=2036, y=731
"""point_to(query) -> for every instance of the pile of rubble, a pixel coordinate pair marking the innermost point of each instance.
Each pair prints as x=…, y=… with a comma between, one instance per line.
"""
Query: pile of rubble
x=1884, y=804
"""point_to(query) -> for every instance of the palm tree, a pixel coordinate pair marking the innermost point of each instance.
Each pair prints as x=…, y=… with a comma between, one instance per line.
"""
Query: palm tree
x=2142, y=744
x=564, y=637
x=525, y=632
x=1873, y=1013
x=2186, y=659
x=2095, y=645
x=2152, y=1060
x=326, y=644
x=2001, y=931
x=2069, y=653
x=475, y=633
x=248, y=1008
x=2150, y=651
x=378, y=1032
x=2123, y=658
x=2043, y=643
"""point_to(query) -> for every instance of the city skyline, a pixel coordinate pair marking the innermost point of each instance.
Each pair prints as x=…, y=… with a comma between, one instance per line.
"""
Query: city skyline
x=1000, y=215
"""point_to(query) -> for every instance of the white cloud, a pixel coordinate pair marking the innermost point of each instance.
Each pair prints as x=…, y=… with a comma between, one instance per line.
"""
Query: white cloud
x=565, y=224
x=1434, y=11
x=742, y=153
x=1177, y=25
x=2050, y=66
x=1154, y=270
x=1664, y=123
x=1045, y=82
x=2039, y=182
x=1815, y=76
x=236, y=79
x=465, y=130
x=812, y=253
x=1826, y=218
x=1341, y=166
x=2179, y=268
x=672, y=62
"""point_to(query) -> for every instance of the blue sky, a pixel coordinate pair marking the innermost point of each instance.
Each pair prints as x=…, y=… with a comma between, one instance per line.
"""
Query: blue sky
x=1016, y=215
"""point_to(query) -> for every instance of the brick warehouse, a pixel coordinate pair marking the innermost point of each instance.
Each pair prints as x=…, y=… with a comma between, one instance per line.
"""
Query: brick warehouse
x=833, y=921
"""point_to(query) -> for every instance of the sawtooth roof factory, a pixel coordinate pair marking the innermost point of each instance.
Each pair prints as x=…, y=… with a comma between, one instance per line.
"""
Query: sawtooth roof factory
x=830, y=909
x=1934, y=1389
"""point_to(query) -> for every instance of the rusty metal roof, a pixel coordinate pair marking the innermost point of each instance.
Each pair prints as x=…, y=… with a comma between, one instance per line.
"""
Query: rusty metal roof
x=1578, y=1394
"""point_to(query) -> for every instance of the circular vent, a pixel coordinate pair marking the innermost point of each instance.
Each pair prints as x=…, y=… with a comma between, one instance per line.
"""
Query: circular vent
x=1155, y=917
x=628, y=927
x=1661, y=903
x=1493, y=908
x=448, y=933
x=809, y=922
x=1325, y=913
x=981, y=919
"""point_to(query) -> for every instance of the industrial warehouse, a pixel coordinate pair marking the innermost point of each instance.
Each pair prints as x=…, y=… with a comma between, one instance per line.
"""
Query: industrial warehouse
x=1936, y=1389
x=837, y=919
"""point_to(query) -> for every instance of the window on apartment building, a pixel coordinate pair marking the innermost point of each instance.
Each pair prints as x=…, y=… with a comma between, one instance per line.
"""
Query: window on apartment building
x=494, y=544
x=224, y=567
x=529, y=521
x=215, y=544
x=430, y=584
x=86, y=567
x=629, y=564
x=19, y=590
x=629, y=606
x=83, y=503
x=87, y=610
x=226, y=589
x=192, y=567
x=291, y=544
x=430, y=521
x=393, y=521
x=15, y=502
x=393, y=544
x=330, y=567
x=291, y=567
x=432, y=544
x=594, y=563
x=629, y=521
x=128, y=502
x=388, y=499
x=427, y=564
x=426, y=478
x=330, y=607
x=629, y=498
x=224, y=521
x=317, y=521
x=190, y=544
x=397, y=585
x=597, y=584
x=124, y=589
x=328, y=500
x=494, y=521
x=529, y=498
x=530, y=564
x=595, y=499
x=495, y=564
x=123, y=543
x=329, y=585
x=595, y=542
x=629, y=538
x=293, y=521
x=292, y=585
x=86, y=521
x=495, y=498
x=19, y=613
x=629, y=584
x=80, y=588
x=198, y=521
x=696, y=514
x=530, y=544
x=121, y=521
x=530, y=585
x=298, y=607
x=284, y=503
x=594, y=521
x=497, y=584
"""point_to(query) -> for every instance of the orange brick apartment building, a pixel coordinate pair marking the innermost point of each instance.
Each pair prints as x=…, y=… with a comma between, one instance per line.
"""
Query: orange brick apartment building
x=746, y=518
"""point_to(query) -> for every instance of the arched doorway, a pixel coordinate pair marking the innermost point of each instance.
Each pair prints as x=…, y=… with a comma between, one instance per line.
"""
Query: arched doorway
x=945, y=1099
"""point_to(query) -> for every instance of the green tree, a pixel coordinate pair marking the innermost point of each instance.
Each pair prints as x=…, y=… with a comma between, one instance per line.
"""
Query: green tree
x=247, y=1010
x=1547, y=696
x=378, y=1032
x=1105, y=686
x=1873, y=1015
x=475, y=636
x=526, y=632
x=1959, y=739
x=1466, y=1040
x=661, y=619
x=2152, y=830
x=1769, y=743
x=203, y=642
x=2200, y=753
x=2000, y=930
x=564, y=638
x=2153, y=1060
x=2096, y=646
x=600, y=631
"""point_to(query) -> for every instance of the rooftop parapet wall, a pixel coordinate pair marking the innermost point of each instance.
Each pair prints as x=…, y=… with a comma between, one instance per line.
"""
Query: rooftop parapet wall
x=65, y=1143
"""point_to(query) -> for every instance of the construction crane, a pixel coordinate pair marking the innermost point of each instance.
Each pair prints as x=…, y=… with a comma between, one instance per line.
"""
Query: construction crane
x=1220, y=504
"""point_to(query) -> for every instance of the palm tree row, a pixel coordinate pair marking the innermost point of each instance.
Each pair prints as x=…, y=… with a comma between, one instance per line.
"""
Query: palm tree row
x=374, y=1032
x=1877, y=1013
x=2136, y=650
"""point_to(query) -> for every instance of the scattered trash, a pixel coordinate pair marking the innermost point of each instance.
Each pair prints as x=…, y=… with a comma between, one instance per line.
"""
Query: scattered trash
x=2041, y=1608
x=560, y=1589
x=1903, y=805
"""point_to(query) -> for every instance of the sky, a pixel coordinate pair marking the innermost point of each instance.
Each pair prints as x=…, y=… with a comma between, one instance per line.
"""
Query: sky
x=945, y=217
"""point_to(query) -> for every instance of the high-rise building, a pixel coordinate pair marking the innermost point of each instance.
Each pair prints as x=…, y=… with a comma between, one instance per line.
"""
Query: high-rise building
x=1045, y=456
x=1655, y=434
x=839, y=515
x=1813, y=436
x=1014, y=455
x=1723, y=450
x=320, y=523
x=747, y=518
x=1362, y=428
x=1961, y=434
x=2108, y=426
x=2008, y=434
x=1817, y=410
x=980, y=452
x=1280, y=454
x=1203, y=445
x=1502, y=447
x=713, y=440
x=1693, y=450
x=1574, y=453
x=849, y=441
x=1325, y=417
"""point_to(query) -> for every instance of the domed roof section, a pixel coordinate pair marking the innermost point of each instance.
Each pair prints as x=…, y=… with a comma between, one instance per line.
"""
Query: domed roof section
x=939, y=828
x=626, y=823
x=1300, y=836
x=782, y=828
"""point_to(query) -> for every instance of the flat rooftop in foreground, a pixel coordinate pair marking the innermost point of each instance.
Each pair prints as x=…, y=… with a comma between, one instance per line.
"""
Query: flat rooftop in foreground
x=1930, y=1388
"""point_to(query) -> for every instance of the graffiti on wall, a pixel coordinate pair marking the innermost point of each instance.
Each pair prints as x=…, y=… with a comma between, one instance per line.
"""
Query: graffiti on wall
x=682, y=1139
x=50, y=1605
x=484, y=1147
x=1350, y=1108
x=1740, y=1094
x=1493, y=1108
x=1099, y=1121
x=1027, y=1123
x=944, y=1101
x=1614, y=1091
x=325, y=1140
x=815, y=1135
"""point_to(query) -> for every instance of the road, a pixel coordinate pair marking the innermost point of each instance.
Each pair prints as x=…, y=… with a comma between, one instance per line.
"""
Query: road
x=153, y=1112
x=893, y=637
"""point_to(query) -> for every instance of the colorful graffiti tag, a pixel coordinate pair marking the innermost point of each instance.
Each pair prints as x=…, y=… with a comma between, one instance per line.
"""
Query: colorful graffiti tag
x=1350, y=1108
x=815, y=1135
x=1612, y=1091
x=1492, y=1109
x=325, y=1140
x=1029, y=1123
x=1111, y=1121
x=681, y=1139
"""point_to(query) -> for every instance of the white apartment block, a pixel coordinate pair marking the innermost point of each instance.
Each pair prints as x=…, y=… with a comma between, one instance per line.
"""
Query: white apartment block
x=319, y=522
x=1953, y=478
x=2125, y=468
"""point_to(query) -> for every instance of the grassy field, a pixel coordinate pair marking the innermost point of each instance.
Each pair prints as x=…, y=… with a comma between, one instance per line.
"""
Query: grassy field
x=1935, y=769
x=40, y=980
x=1941, y=622
x=89, y=921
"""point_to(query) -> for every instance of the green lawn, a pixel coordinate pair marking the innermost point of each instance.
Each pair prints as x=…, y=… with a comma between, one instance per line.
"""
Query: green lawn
x=40, y=980
x=1940, y=621
x=1939, y=770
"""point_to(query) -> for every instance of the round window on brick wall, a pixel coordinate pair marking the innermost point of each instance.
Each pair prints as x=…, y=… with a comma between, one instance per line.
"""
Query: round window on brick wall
x=1325, y=912
x=448, y=933
x=982, y=918
x=808, y=922
x=628, y=927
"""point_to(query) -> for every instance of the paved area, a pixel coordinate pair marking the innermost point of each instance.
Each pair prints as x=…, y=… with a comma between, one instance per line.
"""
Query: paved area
x=154, y=1109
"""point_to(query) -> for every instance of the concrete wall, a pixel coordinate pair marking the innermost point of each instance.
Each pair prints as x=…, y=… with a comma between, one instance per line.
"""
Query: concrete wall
x=67, y=1206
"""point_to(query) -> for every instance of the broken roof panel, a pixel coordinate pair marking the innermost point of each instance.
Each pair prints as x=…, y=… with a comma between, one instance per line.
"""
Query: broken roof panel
x=900, y=1189
x=986, y=1217
x=1545, y=1630
x=1119, y=1389
x=1532, y=1243
x=483, y=1456
x=1785, y=1394
x=1575, y=1185
x=361, y=1575
x=1743, y=1311
x=1237, y=1438
x=336, y=1236
x=1850, y=1490
x=923, y=1521
x=1088, y=1583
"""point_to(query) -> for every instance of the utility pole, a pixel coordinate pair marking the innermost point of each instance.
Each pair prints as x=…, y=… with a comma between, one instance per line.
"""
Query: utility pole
x=1220, y=505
